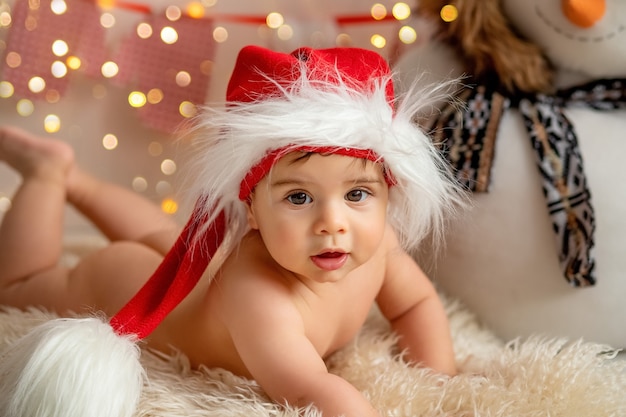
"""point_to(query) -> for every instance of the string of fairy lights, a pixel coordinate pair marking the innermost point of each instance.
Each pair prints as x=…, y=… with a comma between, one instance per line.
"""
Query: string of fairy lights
x=65, y=61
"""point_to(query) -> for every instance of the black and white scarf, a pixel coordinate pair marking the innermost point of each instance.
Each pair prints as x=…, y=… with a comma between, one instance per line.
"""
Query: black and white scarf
x=467, y=135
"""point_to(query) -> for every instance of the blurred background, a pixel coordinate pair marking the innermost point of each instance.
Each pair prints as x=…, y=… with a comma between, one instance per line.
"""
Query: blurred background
x=116, y=78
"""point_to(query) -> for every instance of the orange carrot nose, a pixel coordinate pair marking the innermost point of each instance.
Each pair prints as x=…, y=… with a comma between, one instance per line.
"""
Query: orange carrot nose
x=583, y=13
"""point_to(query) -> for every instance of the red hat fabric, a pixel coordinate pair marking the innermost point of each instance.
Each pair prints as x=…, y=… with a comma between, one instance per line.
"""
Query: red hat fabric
x=173, y=280
x=259, y=74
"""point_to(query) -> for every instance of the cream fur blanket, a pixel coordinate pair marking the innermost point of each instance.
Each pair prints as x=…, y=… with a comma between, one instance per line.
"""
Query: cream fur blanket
x=537, y=377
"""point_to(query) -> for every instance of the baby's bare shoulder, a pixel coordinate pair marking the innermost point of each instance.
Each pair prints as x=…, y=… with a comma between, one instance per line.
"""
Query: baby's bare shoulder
x=249, y=277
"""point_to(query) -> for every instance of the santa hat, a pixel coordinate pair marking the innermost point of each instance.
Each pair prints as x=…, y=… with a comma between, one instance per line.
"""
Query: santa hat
x=331, y=101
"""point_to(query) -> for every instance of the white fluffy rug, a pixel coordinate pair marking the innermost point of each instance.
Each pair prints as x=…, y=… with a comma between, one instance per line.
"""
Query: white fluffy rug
x=532, y=378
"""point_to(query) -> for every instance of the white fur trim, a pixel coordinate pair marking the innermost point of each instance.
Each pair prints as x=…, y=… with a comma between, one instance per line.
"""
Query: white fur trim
x=317, y=113
x=71, y=368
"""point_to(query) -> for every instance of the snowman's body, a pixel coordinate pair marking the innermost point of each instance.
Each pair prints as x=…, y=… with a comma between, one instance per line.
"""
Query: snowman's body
x=501, y=259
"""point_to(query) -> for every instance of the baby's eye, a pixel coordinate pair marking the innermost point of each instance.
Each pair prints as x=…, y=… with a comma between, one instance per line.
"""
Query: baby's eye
x=299, y=198
x=357, y=195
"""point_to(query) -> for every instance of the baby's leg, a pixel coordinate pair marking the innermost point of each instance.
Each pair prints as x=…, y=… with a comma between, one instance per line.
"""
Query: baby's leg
x=121, y=214
x=31, y=233
x=32, y=230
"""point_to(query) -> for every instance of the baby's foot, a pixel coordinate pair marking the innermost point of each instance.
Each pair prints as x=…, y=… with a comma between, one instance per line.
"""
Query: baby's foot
x=34, y=156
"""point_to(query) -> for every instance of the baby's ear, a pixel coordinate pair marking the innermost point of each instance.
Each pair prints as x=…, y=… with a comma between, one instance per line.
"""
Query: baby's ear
x=250, y=214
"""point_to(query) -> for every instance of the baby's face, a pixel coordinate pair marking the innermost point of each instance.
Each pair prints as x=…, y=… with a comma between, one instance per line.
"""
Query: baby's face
x=321, y=216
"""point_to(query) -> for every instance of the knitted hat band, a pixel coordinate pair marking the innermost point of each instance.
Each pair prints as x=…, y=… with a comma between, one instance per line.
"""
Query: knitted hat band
x=260, y=170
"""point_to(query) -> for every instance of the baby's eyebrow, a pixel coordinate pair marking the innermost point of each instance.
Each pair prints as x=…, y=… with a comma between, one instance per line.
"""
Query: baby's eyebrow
x=365, y=180
x=303, y=182
x=286, y=182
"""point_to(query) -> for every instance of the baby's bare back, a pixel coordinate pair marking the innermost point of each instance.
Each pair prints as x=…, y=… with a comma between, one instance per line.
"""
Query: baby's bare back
x=330, y=314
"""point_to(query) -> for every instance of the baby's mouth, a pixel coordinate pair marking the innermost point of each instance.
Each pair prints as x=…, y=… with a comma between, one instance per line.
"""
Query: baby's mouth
x=332, y=254
x=330, y=261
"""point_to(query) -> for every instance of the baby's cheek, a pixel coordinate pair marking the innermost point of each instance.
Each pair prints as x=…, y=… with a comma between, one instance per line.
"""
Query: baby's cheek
x=372, y=238
x=283, y=237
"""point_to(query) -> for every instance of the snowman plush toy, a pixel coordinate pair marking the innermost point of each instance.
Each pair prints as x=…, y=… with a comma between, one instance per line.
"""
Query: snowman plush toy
x=537, y=132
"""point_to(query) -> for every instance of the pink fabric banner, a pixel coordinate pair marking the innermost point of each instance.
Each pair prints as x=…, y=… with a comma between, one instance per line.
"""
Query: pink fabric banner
x=180, y=70
x=32, y=34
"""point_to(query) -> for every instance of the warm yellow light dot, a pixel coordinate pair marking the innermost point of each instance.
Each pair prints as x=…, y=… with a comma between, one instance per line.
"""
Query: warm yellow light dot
x=187, y=109
x=60, y=47
x=5, y=204
x=168, y=167
x=163, y=188
x=144, y=30
x=449, y=13
x=106, y=4
x=109, y=141
x=169, y=206
x=195, y=9
x=137, y=99
x=52, y=96
x=378, y=11
x=154, y=96
x=13, y=59
x=183, y=79
x=401, y=11
x=140, y=184
x=5, y=19
x=73, y=62
x=220, y=34
x=378, y=41
x=36, y=84
x=343, y=39
x=58, y=7
x=25, y=107
x=274, y=20
x=173, y=13
x=169, y=35
x=58, y=69
x=407, y=35
x=31, y=23
x=107, y=20
x=206, y=67
x=109, y=69
x=52, y=123
x=284, y=33
x=6, y=89
x=155, y=149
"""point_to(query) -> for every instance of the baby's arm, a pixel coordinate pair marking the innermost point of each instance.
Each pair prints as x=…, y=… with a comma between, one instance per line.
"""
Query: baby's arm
x=269, y=335
x=411, y=304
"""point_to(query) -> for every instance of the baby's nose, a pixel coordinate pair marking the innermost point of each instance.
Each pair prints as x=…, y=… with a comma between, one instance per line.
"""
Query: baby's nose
x=331, y=219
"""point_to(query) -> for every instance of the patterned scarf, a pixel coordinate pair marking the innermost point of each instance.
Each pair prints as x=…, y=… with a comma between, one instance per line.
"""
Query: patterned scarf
x=467, y=135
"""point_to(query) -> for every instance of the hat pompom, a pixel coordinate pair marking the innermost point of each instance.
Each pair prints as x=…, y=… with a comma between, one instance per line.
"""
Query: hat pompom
x=71, y=368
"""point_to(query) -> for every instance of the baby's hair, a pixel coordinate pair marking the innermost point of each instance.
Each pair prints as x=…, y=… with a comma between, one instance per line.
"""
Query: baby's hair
x=326, y=112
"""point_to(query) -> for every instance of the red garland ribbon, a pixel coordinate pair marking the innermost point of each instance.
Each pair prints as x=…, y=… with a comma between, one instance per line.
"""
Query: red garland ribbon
x=356, y=19
x=252, y=19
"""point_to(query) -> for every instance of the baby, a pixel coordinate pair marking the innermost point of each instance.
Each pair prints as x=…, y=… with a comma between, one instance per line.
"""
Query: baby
x=313, y=181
